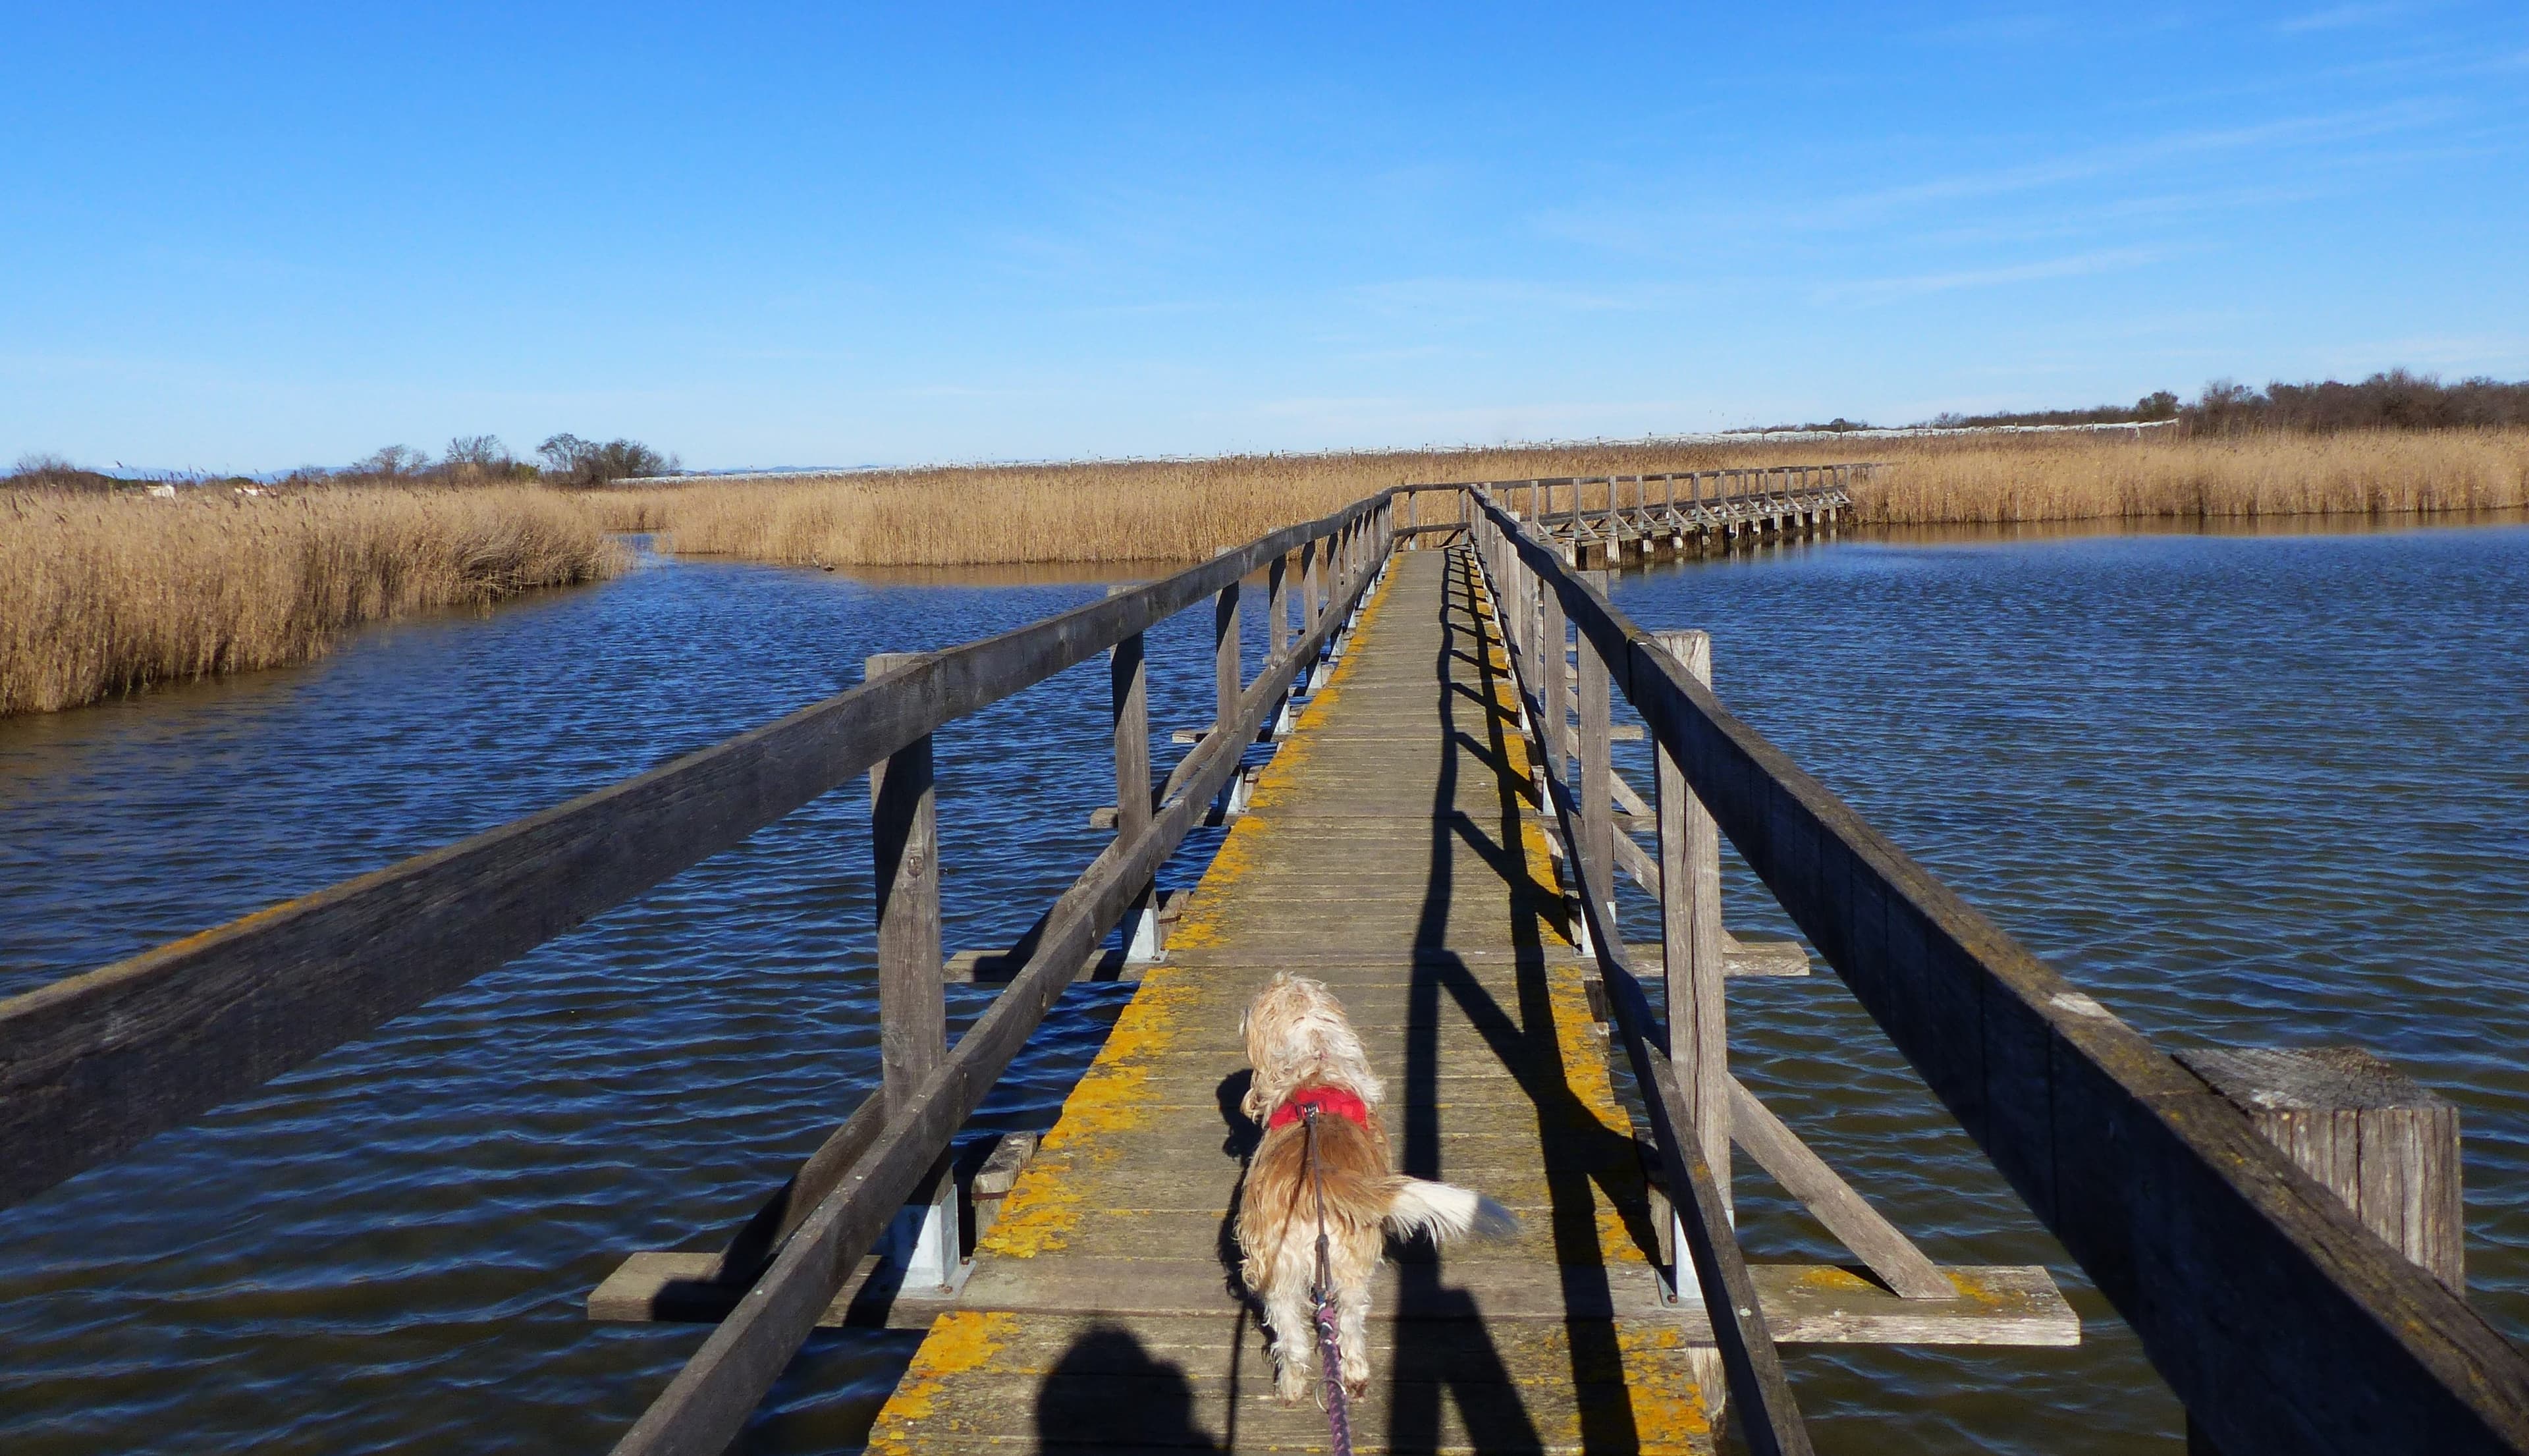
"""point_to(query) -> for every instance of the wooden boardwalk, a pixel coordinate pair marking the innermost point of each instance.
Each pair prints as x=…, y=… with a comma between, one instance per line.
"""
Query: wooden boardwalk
x=1619, y=520
x=1389, y=850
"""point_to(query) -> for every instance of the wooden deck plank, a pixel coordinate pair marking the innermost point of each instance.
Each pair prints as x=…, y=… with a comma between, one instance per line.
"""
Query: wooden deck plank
x=1386, y=850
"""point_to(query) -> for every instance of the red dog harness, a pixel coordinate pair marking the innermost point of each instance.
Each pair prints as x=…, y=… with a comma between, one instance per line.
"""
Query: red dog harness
x=1328, y=1100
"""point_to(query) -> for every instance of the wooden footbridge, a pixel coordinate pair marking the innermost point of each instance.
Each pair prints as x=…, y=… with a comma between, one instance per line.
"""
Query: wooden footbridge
x=1439, y=831
x=1681, y=514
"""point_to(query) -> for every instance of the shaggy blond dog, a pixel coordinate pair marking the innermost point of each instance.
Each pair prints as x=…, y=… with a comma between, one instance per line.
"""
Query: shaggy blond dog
x=1307, y=1055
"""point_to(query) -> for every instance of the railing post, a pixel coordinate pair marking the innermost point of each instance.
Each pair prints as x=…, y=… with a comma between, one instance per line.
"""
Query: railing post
x=1550, y=663
x=1307, y=592
x=1228, y=668
x=1598, y=772
x=1532, y=639
x=1556, y=733
x=1690, y=855
x=1128, y=687
x=2377, y=1139
x=1279, y=579
x=1226, y=659
x=904, y=836
x=912, y=1004
x=1277, y=607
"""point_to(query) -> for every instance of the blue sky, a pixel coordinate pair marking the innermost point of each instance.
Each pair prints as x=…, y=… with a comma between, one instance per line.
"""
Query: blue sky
x=250, y=237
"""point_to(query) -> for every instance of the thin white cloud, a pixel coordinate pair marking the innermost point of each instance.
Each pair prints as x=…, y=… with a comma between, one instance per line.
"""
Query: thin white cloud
x=1890, y=290
x=1487, y=297
x=2339, y=16
x=2129, y=157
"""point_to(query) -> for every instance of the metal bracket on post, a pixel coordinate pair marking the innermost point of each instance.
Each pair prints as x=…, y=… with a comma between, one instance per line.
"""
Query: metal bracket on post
x=925, y=1239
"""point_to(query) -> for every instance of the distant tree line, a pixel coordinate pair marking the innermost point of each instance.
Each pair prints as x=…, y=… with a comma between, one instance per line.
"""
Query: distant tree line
x=2393, y=401
x=470, y=459
x=2151, y=408
x=2397, y=399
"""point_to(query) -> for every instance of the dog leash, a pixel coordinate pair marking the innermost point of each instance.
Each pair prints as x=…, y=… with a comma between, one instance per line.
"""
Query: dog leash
x=1330, y=1351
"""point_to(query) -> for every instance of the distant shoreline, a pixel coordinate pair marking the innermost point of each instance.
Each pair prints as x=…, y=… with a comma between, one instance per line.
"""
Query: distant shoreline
x=1110, y=510
x=105, y=592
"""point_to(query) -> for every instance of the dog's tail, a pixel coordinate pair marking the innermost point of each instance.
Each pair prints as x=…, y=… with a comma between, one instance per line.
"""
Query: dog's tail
x=1445, y=1210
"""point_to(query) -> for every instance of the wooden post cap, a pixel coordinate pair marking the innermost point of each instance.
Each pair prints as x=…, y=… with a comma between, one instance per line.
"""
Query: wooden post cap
x=2377, y=1138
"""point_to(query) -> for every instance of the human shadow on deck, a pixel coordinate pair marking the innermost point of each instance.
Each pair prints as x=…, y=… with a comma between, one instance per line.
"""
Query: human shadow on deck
x=1108, y=1393
x=1526, y=1040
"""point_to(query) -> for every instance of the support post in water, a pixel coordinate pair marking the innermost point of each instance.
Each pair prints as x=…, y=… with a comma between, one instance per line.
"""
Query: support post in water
x=912, y=1005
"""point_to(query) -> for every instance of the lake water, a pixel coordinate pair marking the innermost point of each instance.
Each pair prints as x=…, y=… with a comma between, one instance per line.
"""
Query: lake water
x=2249, y=791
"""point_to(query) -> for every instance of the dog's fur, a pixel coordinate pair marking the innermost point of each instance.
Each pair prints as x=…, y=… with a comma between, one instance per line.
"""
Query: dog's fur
x=1297, y=1038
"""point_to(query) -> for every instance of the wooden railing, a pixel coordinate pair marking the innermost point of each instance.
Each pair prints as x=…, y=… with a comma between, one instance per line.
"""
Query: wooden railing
x=1568, y=501
x=2281, y=1322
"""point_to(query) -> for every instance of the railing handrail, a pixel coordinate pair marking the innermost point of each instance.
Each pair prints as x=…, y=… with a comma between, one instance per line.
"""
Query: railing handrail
x=93, y=1064
x=1523, y=481
x=2280, y=1321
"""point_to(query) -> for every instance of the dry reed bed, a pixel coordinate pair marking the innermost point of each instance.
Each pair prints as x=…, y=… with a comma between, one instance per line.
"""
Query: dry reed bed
x=100, y=596
x=2161, y=475
x=103, y=595
x=1178, y=510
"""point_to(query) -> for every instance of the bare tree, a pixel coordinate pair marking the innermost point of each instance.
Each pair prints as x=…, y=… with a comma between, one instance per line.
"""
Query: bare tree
x=44, y=471
x=394, y=462
x=484, y=452
x=585, y=463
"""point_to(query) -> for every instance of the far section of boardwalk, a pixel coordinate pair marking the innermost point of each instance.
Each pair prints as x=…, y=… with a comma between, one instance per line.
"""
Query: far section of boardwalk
x=1389, y=850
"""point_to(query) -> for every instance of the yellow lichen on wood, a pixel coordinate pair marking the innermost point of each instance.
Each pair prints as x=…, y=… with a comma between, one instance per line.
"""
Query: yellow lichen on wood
x=1669, y=1409
x=960, y=1341
x=1045, y=1203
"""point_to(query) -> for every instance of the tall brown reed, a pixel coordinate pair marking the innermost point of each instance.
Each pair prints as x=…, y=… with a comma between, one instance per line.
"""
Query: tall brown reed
x=102, y=595
x=1176, y=511
x=2088, y=477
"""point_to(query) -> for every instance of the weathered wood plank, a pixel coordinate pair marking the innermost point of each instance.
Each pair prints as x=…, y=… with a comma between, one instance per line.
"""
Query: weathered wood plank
x=1846, y=1214
x=1740, y=955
